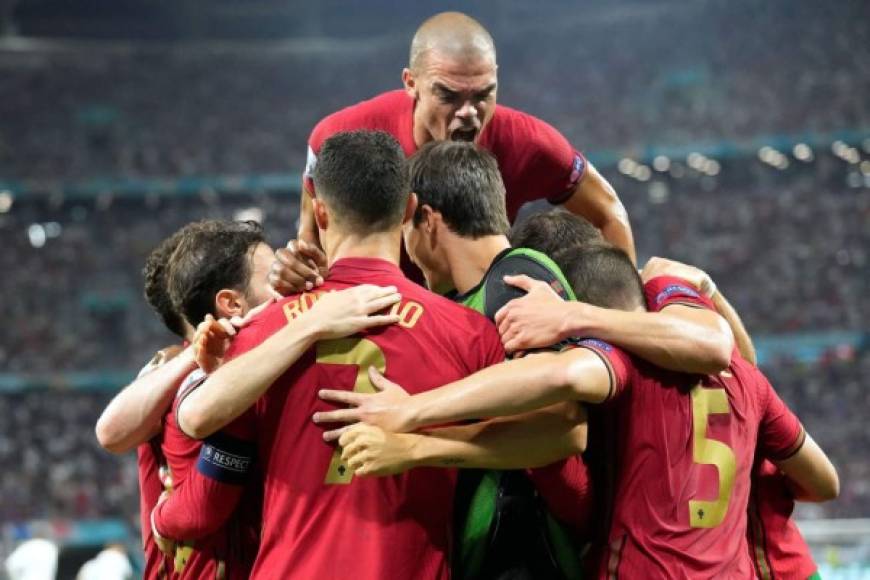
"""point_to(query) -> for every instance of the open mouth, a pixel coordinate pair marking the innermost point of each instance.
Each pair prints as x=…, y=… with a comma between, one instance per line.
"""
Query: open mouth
x=467, y=135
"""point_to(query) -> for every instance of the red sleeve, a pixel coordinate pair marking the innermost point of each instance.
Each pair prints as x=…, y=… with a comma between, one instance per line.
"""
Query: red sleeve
x=492, y=351
x=667, y=290
x=267, y=323
x=566, y=488
x=780, y=434
x=208, y=496
x=619, y=364
x=536, y=159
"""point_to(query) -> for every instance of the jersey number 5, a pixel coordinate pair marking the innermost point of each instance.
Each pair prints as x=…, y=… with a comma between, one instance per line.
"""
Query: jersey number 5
x=361, y=353
x=709, y=514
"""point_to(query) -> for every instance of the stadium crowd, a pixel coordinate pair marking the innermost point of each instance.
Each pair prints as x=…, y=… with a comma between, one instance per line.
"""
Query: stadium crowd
x=790, y=251
x=791, y=259
x=74, y=114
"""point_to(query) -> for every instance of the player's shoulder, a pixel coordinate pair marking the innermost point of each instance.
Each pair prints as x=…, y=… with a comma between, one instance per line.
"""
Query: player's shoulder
x=447, y=316
x=382, y=111
x=509, y=123
x=495, y=293
x=749, y=378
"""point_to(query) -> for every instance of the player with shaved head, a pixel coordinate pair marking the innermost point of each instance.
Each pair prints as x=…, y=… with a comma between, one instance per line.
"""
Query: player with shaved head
x=450, y=92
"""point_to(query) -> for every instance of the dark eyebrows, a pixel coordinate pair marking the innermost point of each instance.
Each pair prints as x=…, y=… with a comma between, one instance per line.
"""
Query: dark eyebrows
x=449, y=93
x=485, y=92
x=438, y=87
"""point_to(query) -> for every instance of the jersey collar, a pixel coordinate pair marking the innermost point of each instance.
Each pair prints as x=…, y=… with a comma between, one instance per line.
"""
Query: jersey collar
x=349, y=265
x=457, y=297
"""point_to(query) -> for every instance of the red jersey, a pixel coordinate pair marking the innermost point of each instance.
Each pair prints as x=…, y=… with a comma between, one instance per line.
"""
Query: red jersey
x=319, y=521
x=150, y=459
x=685, y=446
x=777, y=548
x=536, y=161
x=215, y=545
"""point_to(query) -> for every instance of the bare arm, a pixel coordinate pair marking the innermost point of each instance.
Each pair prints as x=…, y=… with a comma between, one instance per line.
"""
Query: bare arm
x=513, y=387
x=596, y=200
x=237, y=385
x=741, y=335
x=812, y=473
x=704, y=284
x=531, y=440
x=679, y=338
x=133, y=416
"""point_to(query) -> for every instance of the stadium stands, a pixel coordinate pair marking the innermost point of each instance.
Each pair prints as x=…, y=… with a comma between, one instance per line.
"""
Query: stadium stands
x=789, y=247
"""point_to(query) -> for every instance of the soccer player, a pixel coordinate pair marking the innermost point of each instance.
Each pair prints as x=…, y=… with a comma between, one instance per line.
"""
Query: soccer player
x=219, y=270
x=133, y=417
x=449, y=94
x=458, y=239
x=686, y=442
x=319, y=521
x=777, y=548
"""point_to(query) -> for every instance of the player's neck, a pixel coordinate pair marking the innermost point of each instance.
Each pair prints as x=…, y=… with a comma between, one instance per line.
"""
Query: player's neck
x=384, y=246
x=419, y=131
x=470, y=259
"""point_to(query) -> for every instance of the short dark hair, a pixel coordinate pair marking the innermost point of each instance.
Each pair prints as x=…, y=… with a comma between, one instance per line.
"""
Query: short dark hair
x=461, y=181
x=362, y=175
x=602, y=275
x=156, y=272
x=552, y=231
x=211, y=255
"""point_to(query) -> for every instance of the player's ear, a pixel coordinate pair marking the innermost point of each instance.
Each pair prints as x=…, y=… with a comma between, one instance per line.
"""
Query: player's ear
x=410, y=83
x=229, y=303
x=410, y=208
x=321, y=215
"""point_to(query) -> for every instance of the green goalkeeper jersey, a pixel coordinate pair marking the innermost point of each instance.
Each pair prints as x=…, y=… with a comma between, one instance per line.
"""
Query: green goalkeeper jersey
x=503, y=527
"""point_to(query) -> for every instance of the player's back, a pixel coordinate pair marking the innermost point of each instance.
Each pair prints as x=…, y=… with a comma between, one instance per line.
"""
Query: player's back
x=319, y=520
x=685, y=451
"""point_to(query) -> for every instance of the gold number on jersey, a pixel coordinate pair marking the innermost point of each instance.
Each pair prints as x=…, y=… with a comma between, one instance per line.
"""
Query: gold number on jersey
x=359, y=352
x=709, y=514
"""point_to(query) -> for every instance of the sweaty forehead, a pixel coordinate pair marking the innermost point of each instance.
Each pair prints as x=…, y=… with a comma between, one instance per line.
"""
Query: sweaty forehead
x=459, y=74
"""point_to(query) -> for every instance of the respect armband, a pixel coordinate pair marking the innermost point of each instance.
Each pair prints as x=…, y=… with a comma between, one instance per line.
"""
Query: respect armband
x=226, y=459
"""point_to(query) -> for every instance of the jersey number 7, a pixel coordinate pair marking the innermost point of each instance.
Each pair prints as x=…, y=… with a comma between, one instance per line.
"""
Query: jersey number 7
x=709, y=514
x=361, y=353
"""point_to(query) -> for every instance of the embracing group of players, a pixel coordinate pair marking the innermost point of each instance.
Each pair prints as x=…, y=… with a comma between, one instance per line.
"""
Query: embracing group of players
x=363, y=426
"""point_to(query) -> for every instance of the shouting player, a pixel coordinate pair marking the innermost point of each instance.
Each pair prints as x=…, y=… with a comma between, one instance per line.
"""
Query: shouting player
x=685, y=445
x=449, y=94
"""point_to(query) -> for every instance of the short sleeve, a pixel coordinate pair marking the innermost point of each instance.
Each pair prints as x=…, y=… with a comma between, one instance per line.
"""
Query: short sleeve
x=537, y=160
x=492, y=350
x=618, y=363
x=780, y=433
x=665, y=291
x=259, y=329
